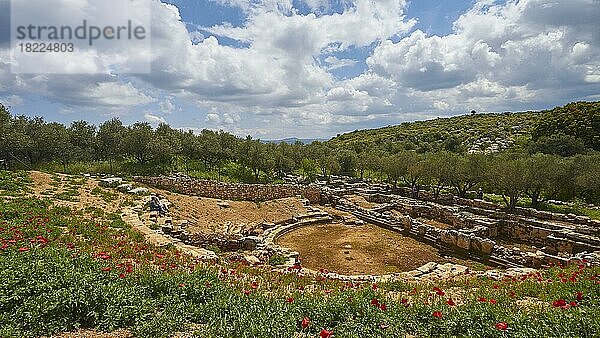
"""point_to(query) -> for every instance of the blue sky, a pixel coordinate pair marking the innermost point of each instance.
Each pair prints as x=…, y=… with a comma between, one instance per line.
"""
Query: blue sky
x=317, y=68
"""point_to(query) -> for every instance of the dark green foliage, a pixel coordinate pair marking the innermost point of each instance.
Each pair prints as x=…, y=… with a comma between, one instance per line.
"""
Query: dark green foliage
x=580, y=120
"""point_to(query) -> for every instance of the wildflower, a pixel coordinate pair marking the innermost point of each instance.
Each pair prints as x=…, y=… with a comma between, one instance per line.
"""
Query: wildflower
x=559, y=303
x=374, y=286
x=501, y=326
x=305, y=323
x=450, y=302
x=482, y=300
x=437, y=314
x=290, y=300
x=122, y=275
x=325, y=334
x=23, y=249
x=383, y=307
x=493, y=301
x=255, y=285
x=246, y=292
x=375, y=302
x=107, y=269
x=439, y=291
x=579, y=296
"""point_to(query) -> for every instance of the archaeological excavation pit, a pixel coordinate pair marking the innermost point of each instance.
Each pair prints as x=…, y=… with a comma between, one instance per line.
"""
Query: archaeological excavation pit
x=361, y=249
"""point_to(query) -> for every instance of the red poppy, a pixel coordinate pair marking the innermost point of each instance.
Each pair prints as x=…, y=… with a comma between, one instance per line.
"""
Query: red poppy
x=481, y=299
x=559, y=303
x=375, y=286
x=437, y=314
x=439, y=291
x=502, y=326
x=23, y=249
x=122, y=275
x=375, y=302
x=493, y=301
x=254, y=285
x=579, y=296
x=305, y=323
x=325, y=334
x=404, y=301
x=383, y=307
x=450, y=302
x=107, y=269
x=290, y=300
x=246, y=292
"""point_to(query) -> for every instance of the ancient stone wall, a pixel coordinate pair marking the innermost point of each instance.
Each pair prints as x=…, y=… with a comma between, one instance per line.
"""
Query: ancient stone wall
x=231, y=191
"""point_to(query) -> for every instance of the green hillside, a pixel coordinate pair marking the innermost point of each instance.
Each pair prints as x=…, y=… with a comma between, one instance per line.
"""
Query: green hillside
x=476, y=132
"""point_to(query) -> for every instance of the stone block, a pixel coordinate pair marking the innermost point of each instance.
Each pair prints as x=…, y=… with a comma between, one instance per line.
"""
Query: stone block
x=487, y=246
x=463, y=241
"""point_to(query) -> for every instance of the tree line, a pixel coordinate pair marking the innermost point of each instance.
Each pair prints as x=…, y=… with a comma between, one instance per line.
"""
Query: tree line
x=140, y=149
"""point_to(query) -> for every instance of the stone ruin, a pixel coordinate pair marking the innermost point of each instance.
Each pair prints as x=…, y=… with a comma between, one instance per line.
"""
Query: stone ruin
x=476, y=230
x=231, y=191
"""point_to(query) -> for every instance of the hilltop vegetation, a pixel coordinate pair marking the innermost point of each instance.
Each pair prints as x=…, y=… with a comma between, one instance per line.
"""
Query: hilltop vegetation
x=564, y=131
x=456, y=134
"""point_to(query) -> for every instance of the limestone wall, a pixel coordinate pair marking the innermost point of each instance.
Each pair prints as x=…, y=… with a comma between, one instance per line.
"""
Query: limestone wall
x=231, y=191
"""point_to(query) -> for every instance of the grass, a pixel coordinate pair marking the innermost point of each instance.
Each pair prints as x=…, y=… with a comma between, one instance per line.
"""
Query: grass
x=14, y=183
x=62, y=270
x=106, y=195
x=578, y=208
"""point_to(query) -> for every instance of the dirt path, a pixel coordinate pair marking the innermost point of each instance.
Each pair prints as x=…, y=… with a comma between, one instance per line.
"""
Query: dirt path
x=356, y=250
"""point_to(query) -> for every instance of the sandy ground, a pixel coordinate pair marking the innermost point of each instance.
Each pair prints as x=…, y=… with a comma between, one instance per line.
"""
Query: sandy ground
x=204, y=214
x=373, y=250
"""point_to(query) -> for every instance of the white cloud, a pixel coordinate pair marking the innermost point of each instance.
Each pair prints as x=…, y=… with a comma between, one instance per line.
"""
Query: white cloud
x=500, y=56
x=154, y=119
x=167, y=106
x=524, y=51
x=335, y=63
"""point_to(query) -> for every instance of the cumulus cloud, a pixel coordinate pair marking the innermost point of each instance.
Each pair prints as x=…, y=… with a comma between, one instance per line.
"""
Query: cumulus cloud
x=499, y=56
x=335, y=63
x=154, y=119
x=501, y=51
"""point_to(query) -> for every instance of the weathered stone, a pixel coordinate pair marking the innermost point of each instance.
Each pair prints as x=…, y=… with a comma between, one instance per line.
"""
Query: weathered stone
x=111, y=182
x=138, y=191
x=463, y=241
x=487, y=246
x=250, y=242
x=125, y=187
x=252, y=260
x=427, y=267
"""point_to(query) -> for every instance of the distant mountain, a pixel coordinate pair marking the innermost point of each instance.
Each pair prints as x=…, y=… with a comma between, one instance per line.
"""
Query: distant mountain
x=292, y=140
